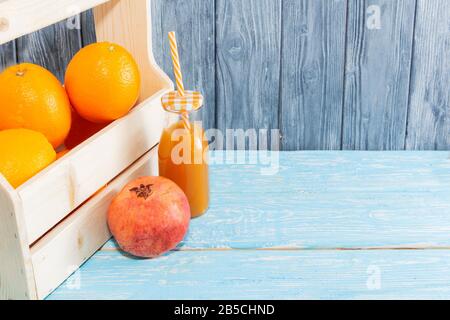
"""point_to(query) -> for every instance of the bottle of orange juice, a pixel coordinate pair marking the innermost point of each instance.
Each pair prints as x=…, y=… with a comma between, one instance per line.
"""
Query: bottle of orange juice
x=183, y=151
x=183, y=156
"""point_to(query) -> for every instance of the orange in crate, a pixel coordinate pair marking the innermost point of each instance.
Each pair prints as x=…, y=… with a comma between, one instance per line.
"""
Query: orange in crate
x=103, y=82
x=81, y=130
x=62, y=153
x=33, y=98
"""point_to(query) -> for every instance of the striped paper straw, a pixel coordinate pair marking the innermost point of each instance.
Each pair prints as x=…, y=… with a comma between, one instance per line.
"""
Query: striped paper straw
x=178, y=74
x=176, y=63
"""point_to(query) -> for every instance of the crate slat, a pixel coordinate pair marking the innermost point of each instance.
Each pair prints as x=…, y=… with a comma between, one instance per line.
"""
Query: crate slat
x=73, y=241
x=16, y=272
x=21, y=17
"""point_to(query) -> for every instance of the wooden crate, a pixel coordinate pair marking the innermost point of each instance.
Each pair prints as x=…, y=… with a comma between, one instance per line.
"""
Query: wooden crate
x=54, y=222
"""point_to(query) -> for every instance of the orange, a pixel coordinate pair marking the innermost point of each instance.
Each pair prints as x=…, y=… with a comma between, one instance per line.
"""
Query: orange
x=32, y=98
x=103, y=82
x=81, y=130
x=23, y=153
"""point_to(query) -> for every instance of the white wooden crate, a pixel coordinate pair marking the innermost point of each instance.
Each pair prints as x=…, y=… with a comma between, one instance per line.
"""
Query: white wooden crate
x=54, y=222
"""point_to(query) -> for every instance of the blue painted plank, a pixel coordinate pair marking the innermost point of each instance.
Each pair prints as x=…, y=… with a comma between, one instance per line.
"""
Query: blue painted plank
x=317, y=221
x=312, y=77
x=379, y=274
x=88, y=34
x=7, y=55
x=312, y=81
x=329, y=200
x=379, y=51
x=429, y=110
x=322, y=171
x=248, y=46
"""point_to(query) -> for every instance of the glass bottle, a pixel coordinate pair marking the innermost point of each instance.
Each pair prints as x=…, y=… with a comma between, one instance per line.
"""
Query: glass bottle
x=183, y=158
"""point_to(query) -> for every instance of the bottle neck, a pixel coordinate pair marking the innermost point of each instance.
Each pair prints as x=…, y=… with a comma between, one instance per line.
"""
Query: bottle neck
x=184, y=117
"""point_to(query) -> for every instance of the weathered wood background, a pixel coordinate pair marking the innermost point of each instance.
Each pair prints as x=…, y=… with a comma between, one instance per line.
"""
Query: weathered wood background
x=326, y=73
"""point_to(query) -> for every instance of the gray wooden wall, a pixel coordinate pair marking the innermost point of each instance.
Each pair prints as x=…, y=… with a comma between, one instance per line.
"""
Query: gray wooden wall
x=322, y=71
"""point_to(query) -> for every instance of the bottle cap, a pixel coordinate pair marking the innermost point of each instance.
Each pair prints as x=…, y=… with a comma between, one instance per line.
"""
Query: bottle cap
x=174, y=102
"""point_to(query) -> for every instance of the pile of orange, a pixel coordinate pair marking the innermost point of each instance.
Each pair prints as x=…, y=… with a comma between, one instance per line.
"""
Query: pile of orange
x=38, y=115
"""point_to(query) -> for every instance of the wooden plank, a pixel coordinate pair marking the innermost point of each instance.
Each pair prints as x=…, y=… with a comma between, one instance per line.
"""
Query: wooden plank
x=318, y=221
x=88, y=35
x=248, y=45
x=7, y=55
x=429, y=109
x=52, y=47
x=25, y=16
x=336, y=172
x=312, y=74
x=391, y=274
x=194, y=23
x=379, y=50
x=329, y=200
x=16, y=270
x=325, y=220
x=73, y=241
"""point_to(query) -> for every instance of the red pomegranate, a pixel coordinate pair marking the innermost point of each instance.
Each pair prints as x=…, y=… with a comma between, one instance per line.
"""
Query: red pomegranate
x=149, y=217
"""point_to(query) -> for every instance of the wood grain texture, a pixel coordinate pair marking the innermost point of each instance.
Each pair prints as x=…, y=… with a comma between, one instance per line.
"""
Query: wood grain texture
x=323, y=227
x=377, y=74
x=248, y=274
x=312, y=80
x=52, y=47
x=7, y=55
x=345, y=171
x=88, y=35
x=429, y=110
x=248, y=63
x=193, y=22
x=16, y=270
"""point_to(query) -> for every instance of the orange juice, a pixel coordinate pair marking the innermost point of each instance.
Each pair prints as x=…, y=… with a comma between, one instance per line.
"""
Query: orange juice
x=183, y=159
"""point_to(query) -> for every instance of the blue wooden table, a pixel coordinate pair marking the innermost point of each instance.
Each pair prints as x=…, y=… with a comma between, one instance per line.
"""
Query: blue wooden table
x=330, y=225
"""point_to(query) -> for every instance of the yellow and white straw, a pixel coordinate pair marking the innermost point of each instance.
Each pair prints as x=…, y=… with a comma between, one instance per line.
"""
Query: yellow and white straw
x=178, y=74
x=176, y=63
